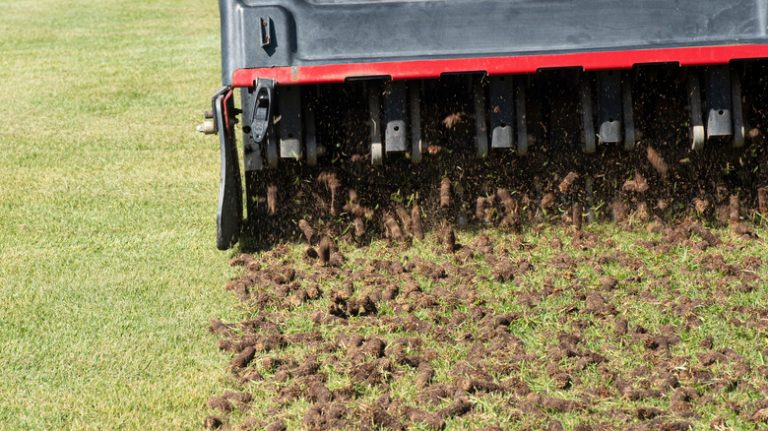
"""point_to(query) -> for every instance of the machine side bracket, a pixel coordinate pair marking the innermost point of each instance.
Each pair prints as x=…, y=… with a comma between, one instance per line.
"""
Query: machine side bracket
x=230, y=207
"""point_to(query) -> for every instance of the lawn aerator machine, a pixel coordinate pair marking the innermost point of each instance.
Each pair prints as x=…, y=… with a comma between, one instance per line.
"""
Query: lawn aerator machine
x=327, y=83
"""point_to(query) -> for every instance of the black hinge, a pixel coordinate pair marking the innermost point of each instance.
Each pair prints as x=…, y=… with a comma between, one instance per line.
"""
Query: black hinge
x=262, y=109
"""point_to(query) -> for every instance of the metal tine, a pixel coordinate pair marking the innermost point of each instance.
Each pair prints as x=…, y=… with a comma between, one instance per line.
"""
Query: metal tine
x=739, y=127
x=719, y=103
x=698, y=135
x=395, y=94
x=481, y=127
x=414, y=99
x=630, y=135
x=310, y=130
x=374, y=112
x=609, y=107
x=521, y=116
x=588, y=138
x=253, y=161
x=289, y=105
x=272, y=152
x=502, y=107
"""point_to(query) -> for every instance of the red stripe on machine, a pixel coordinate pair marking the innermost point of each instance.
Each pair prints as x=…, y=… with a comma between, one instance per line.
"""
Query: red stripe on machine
x=427, y=69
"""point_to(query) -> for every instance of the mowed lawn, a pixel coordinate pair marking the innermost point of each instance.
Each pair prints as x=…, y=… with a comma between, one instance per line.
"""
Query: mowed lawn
x=108, y=270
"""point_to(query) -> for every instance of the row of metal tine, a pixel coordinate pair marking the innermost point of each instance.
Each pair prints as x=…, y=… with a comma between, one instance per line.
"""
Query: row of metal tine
x=605, y=106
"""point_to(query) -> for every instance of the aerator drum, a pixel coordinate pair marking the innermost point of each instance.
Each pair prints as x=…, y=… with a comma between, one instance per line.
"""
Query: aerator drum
x=313, y=73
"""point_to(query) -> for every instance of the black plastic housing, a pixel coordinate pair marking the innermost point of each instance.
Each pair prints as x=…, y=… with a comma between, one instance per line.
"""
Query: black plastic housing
x=258, y=33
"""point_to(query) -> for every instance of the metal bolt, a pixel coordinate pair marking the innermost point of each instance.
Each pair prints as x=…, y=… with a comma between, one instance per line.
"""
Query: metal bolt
x=207, y=127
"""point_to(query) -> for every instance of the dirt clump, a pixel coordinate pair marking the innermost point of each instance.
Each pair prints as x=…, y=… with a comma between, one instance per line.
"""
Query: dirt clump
x=734, y=209
x=762, y=200
x=243, y=358
x=472, y=385
x=658, y=162
x=393, y=228
x=701, y=205
x=221, y=329
x=760, y=416
x=482, y=207
x=567, y=182
x=306, y=229
x=359, y=227
x=608, y=282
x=451, y=120
x=577, y=216
x=459, y=407
x=245, y=260
x=449, y=240
x=276, y=426
x=416, y=226
x=619, y=211
x=220, y=403
x=324, y=250
x=272, y=199
x=432, y=421
x=547, y=201
x=703, y=233
x=425, y=374
x=504, y=271
x=405, y=220
x=445, y=193
x=636, y=185
x=325, y=416
x=512, y=216
x=212, y=423
x=596, y=304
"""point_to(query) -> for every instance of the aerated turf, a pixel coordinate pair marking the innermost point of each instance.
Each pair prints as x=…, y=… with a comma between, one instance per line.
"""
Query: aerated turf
x=644, y=327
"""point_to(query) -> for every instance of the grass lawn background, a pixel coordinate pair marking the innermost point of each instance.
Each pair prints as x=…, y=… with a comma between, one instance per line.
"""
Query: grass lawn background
x=108, y=270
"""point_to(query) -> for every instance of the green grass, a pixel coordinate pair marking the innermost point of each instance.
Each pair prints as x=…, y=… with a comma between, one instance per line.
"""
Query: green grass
x=108, y=271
